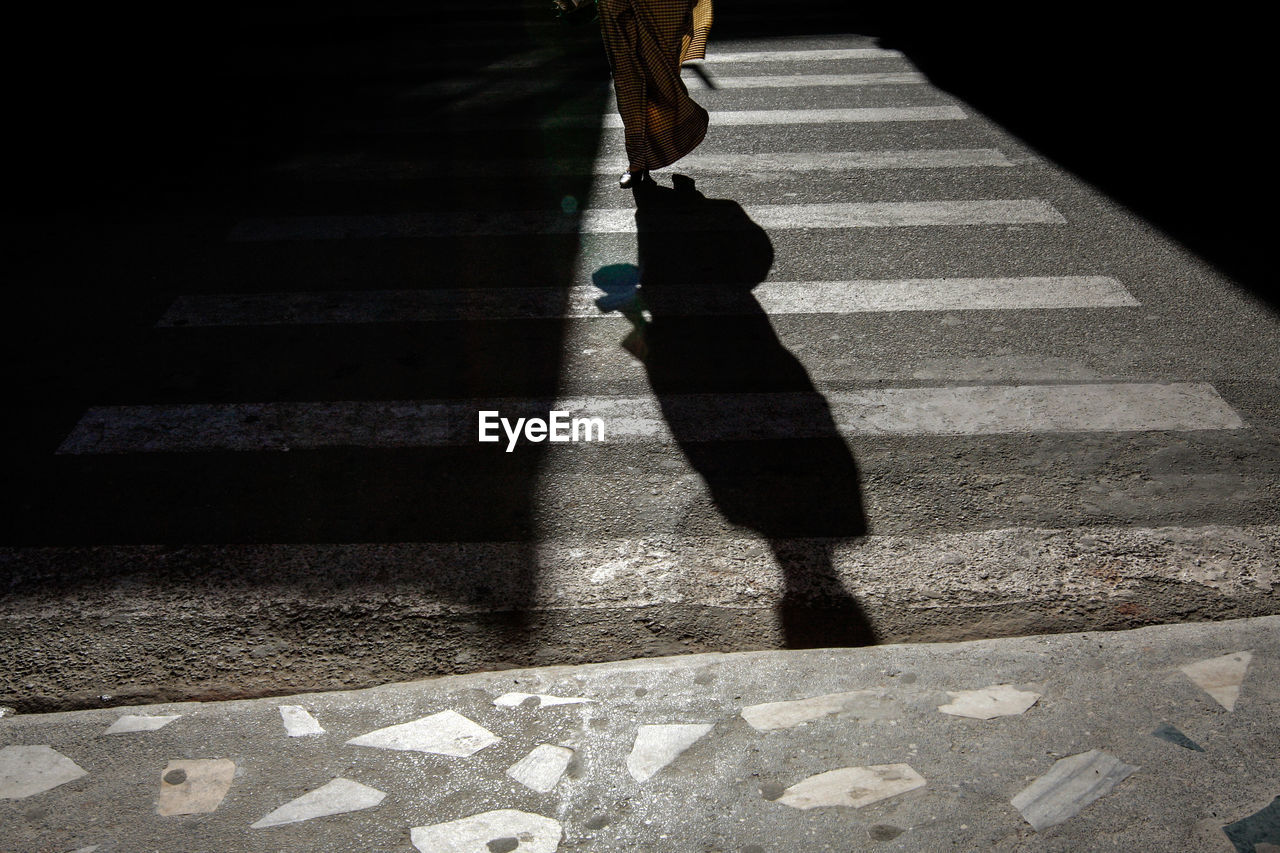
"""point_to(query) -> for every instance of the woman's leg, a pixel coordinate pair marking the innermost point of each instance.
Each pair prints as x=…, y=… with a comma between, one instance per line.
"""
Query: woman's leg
x=643, y=40
x=674, y=124
x=619, y=29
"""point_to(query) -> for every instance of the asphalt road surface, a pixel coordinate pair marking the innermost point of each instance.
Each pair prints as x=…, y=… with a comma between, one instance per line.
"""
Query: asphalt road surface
x=892, y=371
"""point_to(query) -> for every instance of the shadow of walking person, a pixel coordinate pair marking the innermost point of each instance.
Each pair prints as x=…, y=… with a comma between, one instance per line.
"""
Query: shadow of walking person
x=741, y=407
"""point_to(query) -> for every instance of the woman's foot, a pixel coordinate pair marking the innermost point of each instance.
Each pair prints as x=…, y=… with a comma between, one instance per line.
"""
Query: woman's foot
x=633, y=178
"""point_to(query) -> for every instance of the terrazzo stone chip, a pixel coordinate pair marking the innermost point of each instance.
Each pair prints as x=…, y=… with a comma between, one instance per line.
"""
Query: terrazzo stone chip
x=542, y=768
x=194, y=786
x=1257, y=831
x=1220, y=677
x=29, y=770
x=852, y=786
x=89, y=849
x=1070, y=785
x=478, y=833
x=658, y=745
x=335, y=797
x=1172, y=735
x=298, y=722
x=794, y=712
x=884, y=832
x=999, y=700
x=515, y=700
x=139, y=723
x=445, y=733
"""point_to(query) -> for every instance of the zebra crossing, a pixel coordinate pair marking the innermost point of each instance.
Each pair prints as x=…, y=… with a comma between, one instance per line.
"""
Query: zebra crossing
x=939, y=411
x=941, y=303
x=1204, y=409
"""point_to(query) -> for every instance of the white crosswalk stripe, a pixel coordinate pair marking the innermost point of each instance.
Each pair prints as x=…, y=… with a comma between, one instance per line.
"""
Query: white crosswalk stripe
x=459, y=118
x=885, y=214
x=472, y=87
x=856, y=115
x=798, y=81
x=514, y=303
x=971, y=410
x=363, y=168
x=833, y=161
x=802, y=55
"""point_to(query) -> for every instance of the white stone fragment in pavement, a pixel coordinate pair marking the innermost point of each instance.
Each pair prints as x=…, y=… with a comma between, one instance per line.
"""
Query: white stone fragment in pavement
x=298, y=721
x=1070, y=785
x=515, y=700
x=852, y=786
x=657, y=746
x=139, y=723
x=785, y=715
x=194, y=786
x=335, y=797
x=27, y=770
x=507, y=829
x=445, y=733
x=89, y=849
x=1000, y=700
x=1220, y=677
x=542, y=768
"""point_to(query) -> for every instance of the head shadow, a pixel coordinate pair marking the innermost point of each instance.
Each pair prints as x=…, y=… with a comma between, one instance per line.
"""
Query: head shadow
x=741, y=407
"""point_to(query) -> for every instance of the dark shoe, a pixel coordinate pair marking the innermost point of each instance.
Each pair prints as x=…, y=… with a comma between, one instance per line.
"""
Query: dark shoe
x=631, y=180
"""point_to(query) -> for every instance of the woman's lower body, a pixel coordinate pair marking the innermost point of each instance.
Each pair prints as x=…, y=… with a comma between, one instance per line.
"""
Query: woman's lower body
x=646, y=42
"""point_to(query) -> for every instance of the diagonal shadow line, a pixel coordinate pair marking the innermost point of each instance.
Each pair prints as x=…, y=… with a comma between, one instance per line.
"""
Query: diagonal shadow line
x=1160, y=114
x=703, y=75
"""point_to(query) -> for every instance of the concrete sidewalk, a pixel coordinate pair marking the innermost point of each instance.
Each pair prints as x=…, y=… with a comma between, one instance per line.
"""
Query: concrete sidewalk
x=1152, y=739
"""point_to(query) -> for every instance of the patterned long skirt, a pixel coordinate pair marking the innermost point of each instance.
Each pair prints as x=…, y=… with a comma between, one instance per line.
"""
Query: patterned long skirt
x=647, y=41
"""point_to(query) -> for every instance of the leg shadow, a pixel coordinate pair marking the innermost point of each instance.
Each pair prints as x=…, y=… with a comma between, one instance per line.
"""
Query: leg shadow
x=742, y=408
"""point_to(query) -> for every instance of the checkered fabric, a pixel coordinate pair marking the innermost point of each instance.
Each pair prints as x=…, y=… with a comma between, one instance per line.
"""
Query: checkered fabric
x=646, y=41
